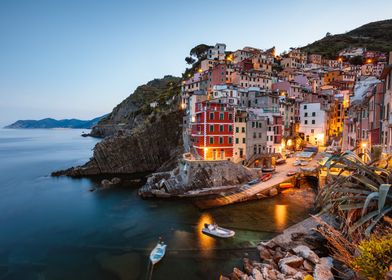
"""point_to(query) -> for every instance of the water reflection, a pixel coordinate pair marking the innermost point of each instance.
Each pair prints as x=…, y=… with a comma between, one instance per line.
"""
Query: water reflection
x=280, y=216
x=206, y=243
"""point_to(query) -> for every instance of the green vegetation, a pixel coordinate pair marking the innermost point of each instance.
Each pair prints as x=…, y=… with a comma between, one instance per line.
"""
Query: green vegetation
x=376, y=36
x=375, y=256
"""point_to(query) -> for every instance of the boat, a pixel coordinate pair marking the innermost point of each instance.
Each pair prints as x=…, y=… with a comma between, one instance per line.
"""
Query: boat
x=286, y=185
x=280, y=161
x=297, y=162
x=291, y=173
x=158, y=252
x=304, y=163
x=266, y=177
x=268, y=169
x=255, y=181
x=215, y=230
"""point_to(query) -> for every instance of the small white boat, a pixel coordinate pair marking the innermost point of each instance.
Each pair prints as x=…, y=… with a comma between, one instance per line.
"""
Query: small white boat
x=158, y=252
x=214, y=230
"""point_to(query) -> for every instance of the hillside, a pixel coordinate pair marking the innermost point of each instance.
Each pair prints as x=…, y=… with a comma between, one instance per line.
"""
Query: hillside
x=136, y=107
x=52, y=123
x=376, y=36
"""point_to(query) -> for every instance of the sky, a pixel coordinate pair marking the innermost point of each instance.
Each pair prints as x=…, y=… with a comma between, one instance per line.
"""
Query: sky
x=80, y=58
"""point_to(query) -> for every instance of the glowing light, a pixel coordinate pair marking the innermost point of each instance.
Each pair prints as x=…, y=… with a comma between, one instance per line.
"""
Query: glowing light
x=206, y=243
x=200, y=70
x=280, y=216
x=193, y=119
x=183, y=106
x=340, y=59
x=289, y=143
x=363, y=145
x=369, y=60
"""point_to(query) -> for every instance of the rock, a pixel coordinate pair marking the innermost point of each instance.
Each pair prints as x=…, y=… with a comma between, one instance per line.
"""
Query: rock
x=238, y=274
x=299, y=275
x=322, y=272
x=264, y=252
x=278, y=255
x=288, y=265
x=305, y=252
x=273, y=192
x=308, y=266
x=257, y=274
x=116, y=181
x=106, y=183
x=328, y=261
x=248, y=267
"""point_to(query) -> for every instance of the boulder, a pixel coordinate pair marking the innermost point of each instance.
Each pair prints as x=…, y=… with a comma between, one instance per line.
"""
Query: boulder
x=116, y=181
x=273, y=192
x=248, y=267
x=308, y=266
x=238, y=274
x=328, y=261
x=322, y=272
x=264, y=252
x=290, y=264
x=257, y=275
x=305, y=252
x=106, y=183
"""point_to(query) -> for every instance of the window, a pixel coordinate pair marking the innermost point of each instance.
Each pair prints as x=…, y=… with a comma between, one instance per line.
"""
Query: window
x=221, y=128
x=259, y=134
x=211, y=140
x=243, y=130
x=305, y=107
x=211, y=128
x=211, y=116
x=220, y=140
x=230, y=128
x=312, y=131
x=313, y=114
x=230, y=117
x=221, y=116
x=230, y=140
x=254, y=134
x=306, y=114
x=237, y=141
x=243, y=141
x=313, y=122
x=237, y=130
x=306, y=122
x=253, y=124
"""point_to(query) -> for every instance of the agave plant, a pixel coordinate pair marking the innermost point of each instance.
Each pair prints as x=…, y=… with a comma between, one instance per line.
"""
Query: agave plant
x=359, y=193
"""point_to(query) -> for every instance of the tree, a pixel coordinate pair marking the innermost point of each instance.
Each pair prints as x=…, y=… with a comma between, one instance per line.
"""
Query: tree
x=199, y=51
x=328, y=34
x=190, y=60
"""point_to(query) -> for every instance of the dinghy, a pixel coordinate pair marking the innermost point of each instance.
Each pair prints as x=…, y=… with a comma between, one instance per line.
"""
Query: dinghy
x=266, y=177
x=214, y=230
x=158, y=252
x=286, y=185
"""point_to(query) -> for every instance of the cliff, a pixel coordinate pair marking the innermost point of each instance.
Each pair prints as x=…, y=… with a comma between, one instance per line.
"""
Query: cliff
x=154, y=143
x=145, y=139
x=133, y=110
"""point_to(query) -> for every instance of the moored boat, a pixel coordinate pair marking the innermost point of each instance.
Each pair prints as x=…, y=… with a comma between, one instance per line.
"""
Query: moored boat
x=286, y=185
x=291, y=173
x=158, y=252
x=215, y=230
x=268, y=169
x=266, y=177
x=280, y=161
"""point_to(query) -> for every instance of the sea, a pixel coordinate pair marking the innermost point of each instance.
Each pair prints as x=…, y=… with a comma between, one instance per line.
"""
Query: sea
x=65, y=228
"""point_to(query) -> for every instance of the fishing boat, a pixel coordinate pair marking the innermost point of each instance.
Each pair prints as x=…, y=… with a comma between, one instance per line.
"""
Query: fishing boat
x=280, y=161
x=286, y=185
x=158, y=252
x=215, y=230
x=266, y=177
x=297, y=162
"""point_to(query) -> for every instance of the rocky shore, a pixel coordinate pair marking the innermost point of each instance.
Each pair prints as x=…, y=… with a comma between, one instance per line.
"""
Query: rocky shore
x=298, y=253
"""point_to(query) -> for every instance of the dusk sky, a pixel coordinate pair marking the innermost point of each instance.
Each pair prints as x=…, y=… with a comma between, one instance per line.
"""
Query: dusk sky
x=79, y=59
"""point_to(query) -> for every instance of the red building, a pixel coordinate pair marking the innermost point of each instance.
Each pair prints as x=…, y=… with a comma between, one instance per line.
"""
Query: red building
x=212, y=130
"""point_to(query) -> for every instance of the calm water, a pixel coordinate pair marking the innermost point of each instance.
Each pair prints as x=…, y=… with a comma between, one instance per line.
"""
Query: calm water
x=55, y=228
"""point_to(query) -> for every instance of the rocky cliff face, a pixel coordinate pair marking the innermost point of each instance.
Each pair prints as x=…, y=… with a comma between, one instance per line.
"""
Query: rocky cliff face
x=155, y=143
x=133, y=110
x=139, y=138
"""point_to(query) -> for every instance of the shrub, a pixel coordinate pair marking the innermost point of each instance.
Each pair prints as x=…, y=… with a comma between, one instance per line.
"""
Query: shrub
x=375, y=256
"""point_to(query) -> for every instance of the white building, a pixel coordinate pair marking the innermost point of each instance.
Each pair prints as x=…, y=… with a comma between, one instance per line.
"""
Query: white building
x=227, y=92
x=217, y=52
x=313, y=126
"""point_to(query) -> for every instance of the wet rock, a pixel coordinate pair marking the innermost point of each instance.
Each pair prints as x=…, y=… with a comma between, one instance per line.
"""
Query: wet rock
x=288, y=265
x=106, y=183
x=305, y=252
x=328, y=261
x=264, y=252
x=248, y=267
x=308, y=266
x=273, y=192
x=257, y=274
x=322, y=272
x=278, y=255
x=115, y=181
x=237, y=274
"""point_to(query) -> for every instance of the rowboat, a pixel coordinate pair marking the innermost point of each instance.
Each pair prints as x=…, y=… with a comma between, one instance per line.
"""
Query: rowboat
x=215, y=230
x=280, y=161
x=291, y=173
x=285, y=185
x=266, y=177
x=158, y=252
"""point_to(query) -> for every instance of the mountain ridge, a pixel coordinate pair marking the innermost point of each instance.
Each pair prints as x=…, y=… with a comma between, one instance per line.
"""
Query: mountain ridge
x=48, y=123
